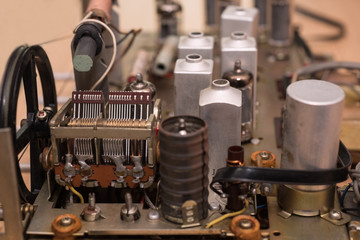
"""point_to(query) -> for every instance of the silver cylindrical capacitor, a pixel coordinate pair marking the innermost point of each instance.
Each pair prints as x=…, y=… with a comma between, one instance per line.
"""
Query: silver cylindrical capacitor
x=183, y=166
x=243, y=80
x=240, y=47
x=191, y=75
x=164, y=60
x=196, y=42
x=220, y=107
x=235, y=18
x=311, y=130
x=281, y=29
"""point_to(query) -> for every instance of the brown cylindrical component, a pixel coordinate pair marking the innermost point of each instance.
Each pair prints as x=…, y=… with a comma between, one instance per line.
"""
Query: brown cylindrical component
x=245, y=228
x=64, y=226
x=236, y=192
x=235, y=156
x=235, y=189
x=263, y=159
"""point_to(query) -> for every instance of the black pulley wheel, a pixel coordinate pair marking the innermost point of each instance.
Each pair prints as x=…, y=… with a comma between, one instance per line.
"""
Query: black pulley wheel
x=34, y=129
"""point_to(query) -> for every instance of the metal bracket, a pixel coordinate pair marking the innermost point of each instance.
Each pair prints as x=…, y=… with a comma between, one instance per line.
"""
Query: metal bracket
x=336, y=217
x=9, y=195
x=190, y=214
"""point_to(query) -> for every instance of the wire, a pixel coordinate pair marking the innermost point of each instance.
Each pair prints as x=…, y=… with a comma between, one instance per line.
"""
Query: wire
x=261, y=206
x=302, y=43
x=114, y=47
x=228, y=215
x=148, y=201
x=126, y=49
x=344, y=194
x=122, y=39
x=316, y=67
x=22, y=154
x=76, y=193
x=341, y=28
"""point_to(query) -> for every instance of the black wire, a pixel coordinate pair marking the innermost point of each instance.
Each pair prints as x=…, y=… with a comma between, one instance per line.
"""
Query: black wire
x=302, y=43
x=316, y=16
x=122, y=39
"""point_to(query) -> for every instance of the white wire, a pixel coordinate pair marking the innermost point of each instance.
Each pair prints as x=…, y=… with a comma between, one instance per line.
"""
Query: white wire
x=85, y=20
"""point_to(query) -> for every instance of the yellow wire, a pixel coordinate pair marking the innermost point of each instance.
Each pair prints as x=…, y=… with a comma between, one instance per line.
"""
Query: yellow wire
x=76, y=193
x=228, y=215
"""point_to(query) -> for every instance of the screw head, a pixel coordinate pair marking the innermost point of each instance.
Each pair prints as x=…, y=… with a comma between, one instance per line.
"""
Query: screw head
x=335, y=214
x=66, y=221
x=245, y=224
x=154, y=215
x=41, y=115
x=214, y=206
x=264, y=155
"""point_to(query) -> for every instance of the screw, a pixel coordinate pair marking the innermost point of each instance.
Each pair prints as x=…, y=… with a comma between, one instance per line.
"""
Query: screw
x=182, y=127
x=245, y=224
x=41, y=115
x=264, y=155
x=154, y=215
x=335, y=214
x=66, y=221
x=128, y=201
x=92, y=200
x=214, y=206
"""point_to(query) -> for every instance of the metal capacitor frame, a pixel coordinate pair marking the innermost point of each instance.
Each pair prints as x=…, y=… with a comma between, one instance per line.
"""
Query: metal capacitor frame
x=220, y=107
x=196, y=42
x=191, y=75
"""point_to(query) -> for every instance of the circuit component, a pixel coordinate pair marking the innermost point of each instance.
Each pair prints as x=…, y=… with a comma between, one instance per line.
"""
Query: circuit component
x=220, y=107
x=184, y=169
x=106, y=144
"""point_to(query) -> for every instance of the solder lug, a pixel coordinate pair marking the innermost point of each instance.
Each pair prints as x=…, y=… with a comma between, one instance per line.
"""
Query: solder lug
x=345, y=218
x=284, y=214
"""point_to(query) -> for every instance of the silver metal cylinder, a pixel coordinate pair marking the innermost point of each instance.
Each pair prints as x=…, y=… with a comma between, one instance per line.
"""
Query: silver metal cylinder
x=220, y=107
x=191, y=75
x=311, y=130
x=196, y=42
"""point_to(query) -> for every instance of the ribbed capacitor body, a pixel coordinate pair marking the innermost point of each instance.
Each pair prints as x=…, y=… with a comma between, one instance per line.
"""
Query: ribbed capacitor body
x=312, y=121
x=281, y=29
x=183, y=166
x=220, y=106
x=191, y=75
x=196, y=43
x=236, y=18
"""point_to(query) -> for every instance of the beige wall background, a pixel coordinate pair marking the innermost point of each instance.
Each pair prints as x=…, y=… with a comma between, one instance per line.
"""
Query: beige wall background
x=37, y=21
